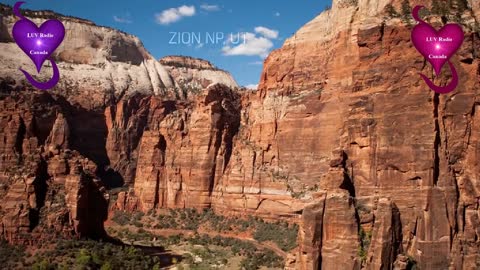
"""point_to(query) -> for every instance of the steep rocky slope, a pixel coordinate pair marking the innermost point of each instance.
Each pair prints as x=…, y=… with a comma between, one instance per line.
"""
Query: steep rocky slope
x=53, y=150
x=345, y=138
x=342, y=137
x=348, y=81
x=46, y=189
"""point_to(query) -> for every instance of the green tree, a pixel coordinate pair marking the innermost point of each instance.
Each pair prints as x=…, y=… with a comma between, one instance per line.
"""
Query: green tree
x=440, y=7
x=406, y=11
x=411, y=263
x=83, y=258
x=436, y=8
x=390, y=10
x=106, y=266
x=423, y=13
x=462, y=5
x=42, y=265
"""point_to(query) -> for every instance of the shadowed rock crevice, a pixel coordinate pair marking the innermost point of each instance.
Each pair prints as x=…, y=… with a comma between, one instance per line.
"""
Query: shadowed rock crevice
x=437, y=140
x=87, y=131
x=19, y=140
x=233, y=111
x=162, y=148
x=44, y=192
x=40, y=187
x=199, y=136
x=40, y=183
x=97, y=210
x=111, y=178
x=124, y=127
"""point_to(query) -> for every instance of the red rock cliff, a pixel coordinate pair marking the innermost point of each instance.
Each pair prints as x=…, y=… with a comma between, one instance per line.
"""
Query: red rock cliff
x=348, y=80
x=343, y=137
x=46, y=189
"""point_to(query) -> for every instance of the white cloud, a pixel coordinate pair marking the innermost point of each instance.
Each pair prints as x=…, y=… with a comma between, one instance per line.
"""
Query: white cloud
x=250, y=45
x=277, y=14
x=266, y=32
x=210, y=8
x=187, y=10
x=174, y=14
x=252, y=86
x=125, y=19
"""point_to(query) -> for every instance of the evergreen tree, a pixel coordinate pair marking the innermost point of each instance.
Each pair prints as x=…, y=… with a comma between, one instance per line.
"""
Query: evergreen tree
x=423, y=13
x=390, y=9
x=462, y=5
x=406, y=11
x=436, y=7
x=440, y=7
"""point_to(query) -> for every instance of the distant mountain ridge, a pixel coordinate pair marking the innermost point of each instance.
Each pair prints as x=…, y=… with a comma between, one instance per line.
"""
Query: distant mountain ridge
x=104, y=64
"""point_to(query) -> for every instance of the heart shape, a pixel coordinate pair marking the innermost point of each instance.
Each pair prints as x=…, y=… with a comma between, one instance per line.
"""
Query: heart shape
x=38, y=43
x=437, y=46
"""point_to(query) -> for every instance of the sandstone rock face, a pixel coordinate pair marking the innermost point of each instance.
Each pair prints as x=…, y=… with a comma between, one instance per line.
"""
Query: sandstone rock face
x=100, y=65
x=125, y=123
x=404, y=190
x=11, y=132
x=59, y=135
x=193, y=74
x=386, y=235
x=46, y=189
x=86, y=199
x=150, y=179
x=310, y=237
x=409, y=150
x=328, y=238
x=187, y=62
x=183, y=151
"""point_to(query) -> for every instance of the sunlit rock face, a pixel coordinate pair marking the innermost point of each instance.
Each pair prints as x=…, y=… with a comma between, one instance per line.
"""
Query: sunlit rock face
x=348, y=80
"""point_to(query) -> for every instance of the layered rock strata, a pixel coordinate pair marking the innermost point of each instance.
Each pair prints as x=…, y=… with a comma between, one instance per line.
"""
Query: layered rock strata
x=100, y=65
x=46, y=189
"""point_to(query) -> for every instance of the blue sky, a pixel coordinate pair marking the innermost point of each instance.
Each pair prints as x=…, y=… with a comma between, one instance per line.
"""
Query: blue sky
x=243, y=31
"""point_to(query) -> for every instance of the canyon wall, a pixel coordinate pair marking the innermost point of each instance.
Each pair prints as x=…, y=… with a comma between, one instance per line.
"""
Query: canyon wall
x=56, y=165
x=46, y=189
x=412, y=154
